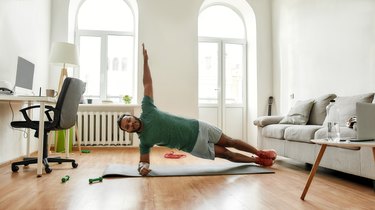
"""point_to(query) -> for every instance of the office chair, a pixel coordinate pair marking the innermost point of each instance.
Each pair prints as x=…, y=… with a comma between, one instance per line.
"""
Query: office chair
x=64, y=117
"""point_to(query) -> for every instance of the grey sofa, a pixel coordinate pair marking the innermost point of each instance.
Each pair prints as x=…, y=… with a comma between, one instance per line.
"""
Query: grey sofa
x=290, y=135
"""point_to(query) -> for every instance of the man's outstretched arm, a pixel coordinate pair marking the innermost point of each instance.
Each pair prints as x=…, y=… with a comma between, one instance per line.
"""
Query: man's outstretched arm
x=147, y=79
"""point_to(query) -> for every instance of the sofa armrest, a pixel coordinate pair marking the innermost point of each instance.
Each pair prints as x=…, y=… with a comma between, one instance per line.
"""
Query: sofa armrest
x=267, y=120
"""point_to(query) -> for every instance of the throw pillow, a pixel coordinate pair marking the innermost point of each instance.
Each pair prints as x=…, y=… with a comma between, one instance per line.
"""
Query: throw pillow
x=318, y=110
x=347, y=106
x=299, y=113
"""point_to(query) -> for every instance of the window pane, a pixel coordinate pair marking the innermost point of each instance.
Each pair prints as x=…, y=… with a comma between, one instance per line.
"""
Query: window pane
x=220, y=21
x=233, y=73
x=90, y=64
x=208, y=73
x=109, y=15
x=120, y=66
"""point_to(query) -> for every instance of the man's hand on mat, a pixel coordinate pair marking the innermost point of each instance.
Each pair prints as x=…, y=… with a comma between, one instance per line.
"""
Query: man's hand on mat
x=143, y=168
x=144, y=171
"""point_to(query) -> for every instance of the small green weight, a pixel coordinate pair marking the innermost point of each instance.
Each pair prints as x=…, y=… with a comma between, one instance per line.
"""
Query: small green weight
x=99, y=179
x=65, y=178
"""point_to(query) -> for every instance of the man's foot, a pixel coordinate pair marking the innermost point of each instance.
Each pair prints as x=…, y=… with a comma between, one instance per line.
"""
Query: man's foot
x=264, y=162
x=267, y=154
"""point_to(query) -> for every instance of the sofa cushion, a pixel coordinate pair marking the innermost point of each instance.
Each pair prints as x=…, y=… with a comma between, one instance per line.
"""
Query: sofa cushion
x=274, y=131
x=303, y=133
x=299, y=113
x=347, y=106
x=318, y=110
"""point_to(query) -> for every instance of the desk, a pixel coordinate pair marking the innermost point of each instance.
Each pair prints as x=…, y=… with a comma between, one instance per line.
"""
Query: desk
x=326, y=143
x=42, y=100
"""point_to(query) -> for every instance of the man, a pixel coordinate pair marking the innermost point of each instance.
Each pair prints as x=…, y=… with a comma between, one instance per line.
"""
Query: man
x=155, y=127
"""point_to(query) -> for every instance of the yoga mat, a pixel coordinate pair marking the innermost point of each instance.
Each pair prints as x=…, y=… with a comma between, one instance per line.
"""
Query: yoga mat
x=120, y=170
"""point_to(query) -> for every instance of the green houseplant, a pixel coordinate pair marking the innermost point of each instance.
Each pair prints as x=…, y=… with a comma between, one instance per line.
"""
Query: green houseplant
x=127, y=99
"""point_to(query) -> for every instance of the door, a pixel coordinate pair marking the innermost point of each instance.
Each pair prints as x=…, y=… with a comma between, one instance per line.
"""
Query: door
x=222, y=86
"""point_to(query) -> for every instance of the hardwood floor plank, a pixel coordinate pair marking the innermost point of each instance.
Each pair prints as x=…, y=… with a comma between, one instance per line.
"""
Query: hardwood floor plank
x=329, y=190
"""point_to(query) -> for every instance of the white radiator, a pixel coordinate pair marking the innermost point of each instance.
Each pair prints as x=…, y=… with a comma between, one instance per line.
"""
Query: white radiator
x=97, y=125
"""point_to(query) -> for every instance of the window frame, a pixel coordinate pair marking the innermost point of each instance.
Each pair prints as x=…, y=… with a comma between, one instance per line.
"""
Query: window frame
x=221, y=42
x=103, y=35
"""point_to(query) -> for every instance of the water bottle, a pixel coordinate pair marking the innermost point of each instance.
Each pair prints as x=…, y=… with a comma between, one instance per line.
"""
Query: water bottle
x=333, y=126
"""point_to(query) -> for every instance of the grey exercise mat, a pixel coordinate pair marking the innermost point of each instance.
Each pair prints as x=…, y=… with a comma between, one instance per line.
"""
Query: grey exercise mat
x=120, y=170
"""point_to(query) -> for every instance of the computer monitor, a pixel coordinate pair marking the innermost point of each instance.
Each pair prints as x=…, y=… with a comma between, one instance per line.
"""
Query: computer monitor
x=24, y=76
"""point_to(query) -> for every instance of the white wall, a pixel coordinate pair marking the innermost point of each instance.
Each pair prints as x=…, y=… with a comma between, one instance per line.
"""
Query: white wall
x=24, y=31
x=59, y=33
x=169, y=31
x=258, y=94
x=323, y=47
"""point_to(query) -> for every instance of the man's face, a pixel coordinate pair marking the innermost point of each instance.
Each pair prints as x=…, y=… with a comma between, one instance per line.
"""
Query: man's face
x=130, y=124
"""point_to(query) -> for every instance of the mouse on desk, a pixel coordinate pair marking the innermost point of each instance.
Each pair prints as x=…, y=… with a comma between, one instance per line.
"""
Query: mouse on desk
x=5, y=87
x=6, y=91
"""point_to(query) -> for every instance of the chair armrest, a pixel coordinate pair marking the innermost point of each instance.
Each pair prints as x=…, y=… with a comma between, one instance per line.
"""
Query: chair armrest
x=56, y=113
x=48, y=109
x=267, y=120
x=24, y=113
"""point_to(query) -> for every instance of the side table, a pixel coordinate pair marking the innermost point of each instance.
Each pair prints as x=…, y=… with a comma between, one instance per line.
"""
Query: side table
x=324, y=143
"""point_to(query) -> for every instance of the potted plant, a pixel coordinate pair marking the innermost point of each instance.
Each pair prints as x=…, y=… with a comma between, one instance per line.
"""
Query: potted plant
x=127, y=99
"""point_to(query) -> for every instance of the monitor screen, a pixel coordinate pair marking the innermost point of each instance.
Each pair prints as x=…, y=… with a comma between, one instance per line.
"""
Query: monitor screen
x=25, y=74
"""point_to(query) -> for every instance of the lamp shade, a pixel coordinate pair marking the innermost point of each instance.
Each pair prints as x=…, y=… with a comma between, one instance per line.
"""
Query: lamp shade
x=64, y=53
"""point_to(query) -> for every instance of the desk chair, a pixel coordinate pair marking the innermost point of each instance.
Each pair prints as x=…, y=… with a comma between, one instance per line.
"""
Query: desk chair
x=64, y=117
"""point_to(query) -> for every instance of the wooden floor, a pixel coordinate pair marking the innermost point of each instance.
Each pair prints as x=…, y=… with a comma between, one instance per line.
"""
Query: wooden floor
x=281, y=190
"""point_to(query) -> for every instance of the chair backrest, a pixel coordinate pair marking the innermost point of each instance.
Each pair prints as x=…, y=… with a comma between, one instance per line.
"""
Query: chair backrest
x=68, y=101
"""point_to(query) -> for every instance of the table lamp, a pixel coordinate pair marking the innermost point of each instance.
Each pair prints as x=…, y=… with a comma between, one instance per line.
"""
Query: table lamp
x=65, y=54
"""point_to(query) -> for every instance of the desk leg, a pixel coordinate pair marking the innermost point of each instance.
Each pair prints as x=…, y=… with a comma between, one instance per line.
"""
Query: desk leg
x=40, y=140
x=313, y=170
x=28, y=134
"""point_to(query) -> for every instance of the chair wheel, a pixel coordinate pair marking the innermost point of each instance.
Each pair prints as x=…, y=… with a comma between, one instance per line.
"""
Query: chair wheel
x=60, y=162
x=74, y=164
x=48, y=170
x=26, y=164
x=15, y=168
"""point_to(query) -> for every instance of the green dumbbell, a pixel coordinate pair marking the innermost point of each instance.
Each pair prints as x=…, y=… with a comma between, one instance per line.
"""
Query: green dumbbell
x=99, y=179
x=85, y=151
x=65, y=178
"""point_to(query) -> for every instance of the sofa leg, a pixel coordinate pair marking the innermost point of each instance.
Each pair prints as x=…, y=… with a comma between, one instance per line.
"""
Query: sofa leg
x=373, y=184
x=308, y=166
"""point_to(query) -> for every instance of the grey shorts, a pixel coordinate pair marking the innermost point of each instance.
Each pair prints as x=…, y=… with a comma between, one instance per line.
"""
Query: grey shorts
x=208, y=136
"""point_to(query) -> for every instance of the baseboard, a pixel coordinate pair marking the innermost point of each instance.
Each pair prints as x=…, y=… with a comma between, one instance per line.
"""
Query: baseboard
x=16, y=159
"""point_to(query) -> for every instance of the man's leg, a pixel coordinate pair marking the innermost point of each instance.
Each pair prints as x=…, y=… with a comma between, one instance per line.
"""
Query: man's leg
x=226, y=141
x=223, y=152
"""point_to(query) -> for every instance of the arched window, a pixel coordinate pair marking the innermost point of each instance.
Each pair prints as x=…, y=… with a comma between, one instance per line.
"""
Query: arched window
x=221, y=22
x=222, y=68
x=106, y=36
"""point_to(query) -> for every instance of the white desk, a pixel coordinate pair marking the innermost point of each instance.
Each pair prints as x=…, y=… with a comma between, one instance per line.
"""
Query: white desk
x=324, y=143
x=42, y=100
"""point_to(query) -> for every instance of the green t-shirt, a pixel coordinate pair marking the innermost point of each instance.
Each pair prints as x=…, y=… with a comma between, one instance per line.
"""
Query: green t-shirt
x=163, y=129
